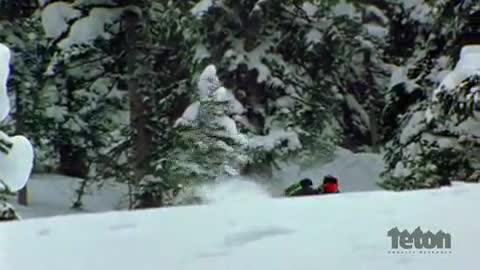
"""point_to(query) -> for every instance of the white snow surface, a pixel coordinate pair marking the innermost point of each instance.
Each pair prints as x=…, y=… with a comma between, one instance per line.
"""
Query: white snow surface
x=208, y=82
x=309, y=9
x=55, y=17
x=399, y=75
x=469, y=57
x=376, y=30
x=274, y=138
x=201, y=7
x=468, y=65
x=345, y=9
x=42, y=2
x=225, y=95
x=89, y=28
x=253, y=58
x=378, y=13
x=100, y=23
x=470, y=127
x=415, y=125
x=189, y=115
x=313, y=37
x=4, y=73
x=53, y=195
x=344, y=231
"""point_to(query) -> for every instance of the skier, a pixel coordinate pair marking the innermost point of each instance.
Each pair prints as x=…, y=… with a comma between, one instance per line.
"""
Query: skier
x=330, y=185
x=302, y=188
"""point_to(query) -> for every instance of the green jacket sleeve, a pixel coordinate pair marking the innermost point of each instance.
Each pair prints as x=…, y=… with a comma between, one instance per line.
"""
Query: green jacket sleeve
x=293, y=189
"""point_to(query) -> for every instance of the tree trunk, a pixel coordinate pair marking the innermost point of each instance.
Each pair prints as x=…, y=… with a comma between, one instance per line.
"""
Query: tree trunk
x=374, y=132
x=22, y=198
x=72, y=157
x=138, y=118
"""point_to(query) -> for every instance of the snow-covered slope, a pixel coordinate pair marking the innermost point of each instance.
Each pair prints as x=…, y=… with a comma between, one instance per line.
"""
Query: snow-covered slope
x=345, y=231
x=53, y=195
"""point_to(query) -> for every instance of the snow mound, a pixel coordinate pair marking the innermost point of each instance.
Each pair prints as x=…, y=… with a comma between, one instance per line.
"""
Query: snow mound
x=100, y=23
x=345, y=231
x=274, y=138
x=201, y=7
x=234, y=190
x=55, y=18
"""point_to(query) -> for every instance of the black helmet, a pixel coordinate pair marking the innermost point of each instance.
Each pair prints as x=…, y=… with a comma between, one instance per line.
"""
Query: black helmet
x=306, y=182
x=330, y=179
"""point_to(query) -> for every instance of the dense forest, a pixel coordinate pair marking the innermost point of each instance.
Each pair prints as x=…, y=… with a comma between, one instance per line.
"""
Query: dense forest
x=157, y=93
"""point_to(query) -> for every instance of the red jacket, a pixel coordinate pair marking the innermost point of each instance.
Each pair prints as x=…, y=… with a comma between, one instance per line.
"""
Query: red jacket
x=330, y=188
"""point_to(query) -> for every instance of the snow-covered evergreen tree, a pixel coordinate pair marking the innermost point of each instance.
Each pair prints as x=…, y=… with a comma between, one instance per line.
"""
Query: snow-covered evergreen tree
x=310, y=74
x=429, y=150
x=86, y=85
x=206, y=145
x=30, y=99
x=213, y=135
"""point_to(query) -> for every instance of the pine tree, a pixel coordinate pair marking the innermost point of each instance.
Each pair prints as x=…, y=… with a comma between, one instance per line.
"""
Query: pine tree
x=278, y=59
x=206, y=142
x=432, y=147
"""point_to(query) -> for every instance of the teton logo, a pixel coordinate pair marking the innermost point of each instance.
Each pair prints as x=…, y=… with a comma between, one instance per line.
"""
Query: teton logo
x=425, y=242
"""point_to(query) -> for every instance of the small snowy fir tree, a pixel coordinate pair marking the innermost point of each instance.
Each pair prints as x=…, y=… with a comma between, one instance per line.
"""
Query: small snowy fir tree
x=16, y=154
x=206, y=145
x=209, y=144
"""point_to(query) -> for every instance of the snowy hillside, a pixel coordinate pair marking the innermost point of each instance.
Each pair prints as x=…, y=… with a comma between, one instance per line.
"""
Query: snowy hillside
x=256, y=233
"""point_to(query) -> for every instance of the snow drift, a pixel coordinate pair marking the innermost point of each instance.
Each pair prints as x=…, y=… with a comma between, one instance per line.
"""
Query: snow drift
x=345, y=231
